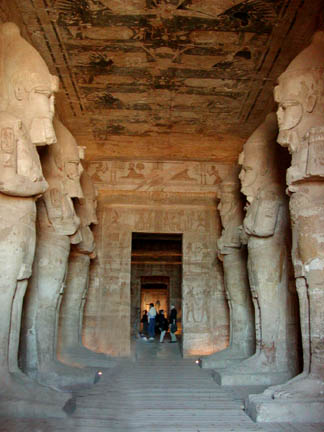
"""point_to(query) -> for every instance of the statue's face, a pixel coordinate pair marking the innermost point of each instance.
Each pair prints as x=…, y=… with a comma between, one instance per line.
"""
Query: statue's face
x=249, y=175
x=73, y=170
x=86, y=209
x=38, y=113
x=290, y=107
x=225, y=207
x=293, y=100
x=88, y=242
x=93, y=211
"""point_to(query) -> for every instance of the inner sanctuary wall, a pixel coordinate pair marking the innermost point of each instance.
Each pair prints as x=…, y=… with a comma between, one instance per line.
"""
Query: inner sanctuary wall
x=168, y=197
x=171, y=275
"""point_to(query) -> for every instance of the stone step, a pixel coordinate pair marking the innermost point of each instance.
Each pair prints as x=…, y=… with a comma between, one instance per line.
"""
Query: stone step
x=154, y=396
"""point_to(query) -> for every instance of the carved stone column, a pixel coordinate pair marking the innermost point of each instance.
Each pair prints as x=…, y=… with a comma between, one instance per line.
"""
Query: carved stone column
x=300, y=97
x=266, y=228
x=25, y=122
x=71, y=349
x=56, y=224
x=234, y=258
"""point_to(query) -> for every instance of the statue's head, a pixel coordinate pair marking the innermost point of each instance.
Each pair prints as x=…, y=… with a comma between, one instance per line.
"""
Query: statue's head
x=87, y=206
x=68, y=159
x=300, y=94
x=86, y=210
x=59, y=205
x=258, y=163
x=27, y=87
x=229, y=195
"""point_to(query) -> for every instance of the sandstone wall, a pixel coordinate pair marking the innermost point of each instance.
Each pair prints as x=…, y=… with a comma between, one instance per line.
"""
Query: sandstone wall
x=179, y=201
x=170, y=274
x=107, y=317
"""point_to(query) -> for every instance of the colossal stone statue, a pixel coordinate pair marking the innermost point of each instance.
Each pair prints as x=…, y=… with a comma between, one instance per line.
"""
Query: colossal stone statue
x=233, y=255
x=71, y=349
x=300, y=97
x=56, y=222
x=26, y=111
x=266, y=228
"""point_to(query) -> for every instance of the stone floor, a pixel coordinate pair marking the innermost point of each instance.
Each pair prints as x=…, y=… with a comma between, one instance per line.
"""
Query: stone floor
x=156, y=391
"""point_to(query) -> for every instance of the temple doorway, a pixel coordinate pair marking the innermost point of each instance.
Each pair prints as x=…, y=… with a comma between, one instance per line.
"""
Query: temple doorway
x=155, y=289
x=156, y=275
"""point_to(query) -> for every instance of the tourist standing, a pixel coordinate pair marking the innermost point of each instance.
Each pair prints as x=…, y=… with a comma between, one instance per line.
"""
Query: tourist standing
x=164, y=325
x=173, y=324
x=144, y=321
x=151, y=321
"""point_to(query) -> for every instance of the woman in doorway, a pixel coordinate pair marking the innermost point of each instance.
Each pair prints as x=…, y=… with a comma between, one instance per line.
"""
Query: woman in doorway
x=151, y=321
x=173, y=324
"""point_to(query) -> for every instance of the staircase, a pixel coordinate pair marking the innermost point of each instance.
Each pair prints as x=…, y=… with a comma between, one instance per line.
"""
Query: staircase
x=159, y=392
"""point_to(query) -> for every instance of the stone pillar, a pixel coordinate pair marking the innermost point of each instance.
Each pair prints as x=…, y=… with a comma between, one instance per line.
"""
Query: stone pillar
x=300, y=97
x=71, y=349
x=266, y=230
x=234, y=258
x=57, y=222
x=25, y=122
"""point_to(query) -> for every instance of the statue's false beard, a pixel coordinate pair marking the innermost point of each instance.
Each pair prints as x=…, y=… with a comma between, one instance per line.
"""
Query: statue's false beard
x=289, y=138
x=42, y=131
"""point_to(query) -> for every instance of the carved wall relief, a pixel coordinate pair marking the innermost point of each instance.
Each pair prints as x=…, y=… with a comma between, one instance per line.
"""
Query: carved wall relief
x=199, y=225
x=157, y=176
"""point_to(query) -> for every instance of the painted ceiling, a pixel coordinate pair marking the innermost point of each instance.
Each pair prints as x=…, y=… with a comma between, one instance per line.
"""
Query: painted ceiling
x=165, y=79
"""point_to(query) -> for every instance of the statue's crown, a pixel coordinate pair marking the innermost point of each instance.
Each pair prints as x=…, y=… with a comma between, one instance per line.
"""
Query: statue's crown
x=310, y=58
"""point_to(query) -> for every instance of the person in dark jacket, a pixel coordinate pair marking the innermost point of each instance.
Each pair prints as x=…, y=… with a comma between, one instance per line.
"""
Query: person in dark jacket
x=173, y=324
x=144, y=321
x=164, y=325
x=157, y=322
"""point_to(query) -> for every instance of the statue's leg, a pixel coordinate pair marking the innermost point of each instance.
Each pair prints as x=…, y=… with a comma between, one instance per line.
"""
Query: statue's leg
x=287, y=389
x=242, y=334
x=16, y=324
x=20, y=395
x=70, y=350
x=308, y=251
x=52, y=256
x=271, y=363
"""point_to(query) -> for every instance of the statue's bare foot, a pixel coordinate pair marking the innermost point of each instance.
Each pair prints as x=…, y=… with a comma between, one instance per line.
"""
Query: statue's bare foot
x=220, y=358
x=258, y=363
x=62, y=377
x=306, y=388
x=274, y=390
x=19, y=380
x=82, y=356
x=23, y=397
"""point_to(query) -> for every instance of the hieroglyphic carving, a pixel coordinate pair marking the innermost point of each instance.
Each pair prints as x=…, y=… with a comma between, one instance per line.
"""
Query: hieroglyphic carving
x=114, y=244
x=157, y=176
